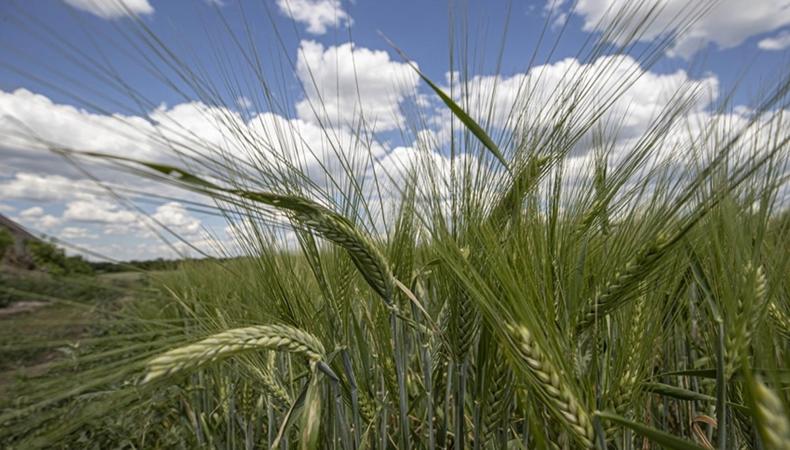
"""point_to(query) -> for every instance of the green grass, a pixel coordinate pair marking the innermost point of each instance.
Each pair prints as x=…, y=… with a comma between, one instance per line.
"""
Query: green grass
x=47, y=318
x=36, y=341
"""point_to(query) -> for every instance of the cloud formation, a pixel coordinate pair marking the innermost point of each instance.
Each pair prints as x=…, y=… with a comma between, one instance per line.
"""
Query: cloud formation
x=113, y=9
x=343, y=82
x=779, y=42
x=318, y=15
x=726, y=24
x=631, y=96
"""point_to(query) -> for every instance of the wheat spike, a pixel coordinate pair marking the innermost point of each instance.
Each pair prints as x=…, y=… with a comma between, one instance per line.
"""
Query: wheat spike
x=227, y=343
x=611, y=296
x=771, y=417
x=466, y=324
x=499, y=396
x=737, y=343
x=565, y=403
x=338, y=229
x=634, y=346
x=273, y=387
x=781, y=319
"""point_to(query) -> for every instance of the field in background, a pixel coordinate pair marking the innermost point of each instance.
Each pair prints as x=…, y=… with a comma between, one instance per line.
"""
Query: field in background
x=46, y=317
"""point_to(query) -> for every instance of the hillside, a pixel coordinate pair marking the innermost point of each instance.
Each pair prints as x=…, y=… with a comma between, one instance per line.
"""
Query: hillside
x=14, y=248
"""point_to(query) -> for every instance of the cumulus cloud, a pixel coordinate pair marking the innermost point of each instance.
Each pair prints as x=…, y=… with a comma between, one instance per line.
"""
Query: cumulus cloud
x=532, y=100
x=27, y=117
x=36, y=218
x=377, y=89
x=727, y=23
x=76, y=233
x=318, y=15
x=30, y=186
x=174, y=216
x=28, y=122
x=779, y=42
x=345, y=81
x=113, y=9
x=98, y=211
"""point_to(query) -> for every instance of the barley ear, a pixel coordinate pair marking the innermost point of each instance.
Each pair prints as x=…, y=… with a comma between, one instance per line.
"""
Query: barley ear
x=548, y=380
x=781, y=318
x=231, y=342
x=771, y=417
x=273, y=387
x=614, y=293
x=621, y=393
x=338, y=229
x=748, y=319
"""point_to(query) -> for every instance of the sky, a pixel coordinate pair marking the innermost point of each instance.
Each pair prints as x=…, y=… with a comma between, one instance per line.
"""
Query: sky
x=79, y=73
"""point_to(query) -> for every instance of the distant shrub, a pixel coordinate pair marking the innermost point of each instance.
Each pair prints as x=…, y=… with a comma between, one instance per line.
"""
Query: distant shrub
x=54, y=260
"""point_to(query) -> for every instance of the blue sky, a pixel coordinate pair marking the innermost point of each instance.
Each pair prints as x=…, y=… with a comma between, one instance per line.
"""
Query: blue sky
x=44, y=46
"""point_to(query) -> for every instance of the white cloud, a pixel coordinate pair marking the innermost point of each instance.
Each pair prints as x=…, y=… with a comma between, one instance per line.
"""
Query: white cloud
x=30, y=186
x=193, y=128
x=174, y=216
x=244, y=102
x=779, y=42
x=6, y=208
x=35, y=211
x=553, y=10
x=99, y=211
x=113, y=9
x=727, y=23
x=76, y=233
x=316, y=14
x=383, y=85
x=345, y=81
x=25, y=115
x=36, y=218
x=531, y=100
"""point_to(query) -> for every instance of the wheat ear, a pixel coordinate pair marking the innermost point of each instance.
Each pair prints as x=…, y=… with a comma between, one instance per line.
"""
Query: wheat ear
x=780, y=317
x=499, y=396
x=737, y=343
x=634, y=346
x=466, y=324
x=338, y=229
x=565, y=403
x=273, y=387
x=771, y=416
x=228, y=343
x=613, y=293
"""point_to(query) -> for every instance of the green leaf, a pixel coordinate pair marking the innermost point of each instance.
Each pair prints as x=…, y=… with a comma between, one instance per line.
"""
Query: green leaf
x=663, y=438
x=311, y=415
x=466, y=119
x=685, y=394
x=288, y=419
x=459, y=112
x=677, y=392
x=702, y=373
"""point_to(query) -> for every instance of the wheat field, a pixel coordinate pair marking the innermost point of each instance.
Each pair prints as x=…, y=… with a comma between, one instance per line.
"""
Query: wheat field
x=490, y=291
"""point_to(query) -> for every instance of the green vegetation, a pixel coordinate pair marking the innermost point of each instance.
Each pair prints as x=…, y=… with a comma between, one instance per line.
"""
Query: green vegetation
x=157, y=264
x=32, y=285
x=6, y=241
x=50, y=258
x=46, y=334
x=502, y=300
